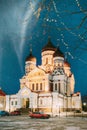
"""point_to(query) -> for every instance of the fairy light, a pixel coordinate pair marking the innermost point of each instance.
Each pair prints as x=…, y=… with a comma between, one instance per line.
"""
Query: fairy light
x=52, y=20
x=68, y=47
x=73, y=33
x=82, y=61
x=69, y=53
x=80, y=7
x=66, y=44
x=78, y=4
x=54, y=4
x=62, y=39
x=76, y=58
x=49, y=9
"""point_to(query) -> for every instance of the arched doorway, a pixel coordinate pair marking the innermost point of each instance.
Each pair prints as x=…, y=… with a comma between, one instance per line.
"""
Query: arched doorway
x=25, y=102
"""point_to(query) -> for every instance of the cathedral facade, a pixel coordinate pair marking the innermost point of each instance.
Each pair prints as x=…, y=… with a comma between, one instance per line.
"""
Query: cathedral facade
x=48, y=87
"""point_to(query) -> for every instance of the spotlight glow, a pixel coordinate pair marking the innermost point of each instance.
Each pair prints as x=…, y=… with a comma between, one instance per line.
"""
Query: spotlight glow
x=26, y=21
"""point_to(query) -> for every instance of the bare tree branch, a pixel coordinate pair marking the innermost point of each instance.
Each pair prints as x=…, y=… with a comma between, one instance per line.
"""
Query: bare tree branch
x=83, y=20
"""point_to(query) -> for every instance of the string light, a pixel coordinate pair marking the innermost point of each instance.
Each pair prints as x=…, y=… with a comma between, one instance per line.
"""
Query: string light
x=68, y=47
x=83, y=11
x=52, y=20
x=69, y=53
x=80, y=7
x=73, y=33
x=77, y=58
x=82, y=61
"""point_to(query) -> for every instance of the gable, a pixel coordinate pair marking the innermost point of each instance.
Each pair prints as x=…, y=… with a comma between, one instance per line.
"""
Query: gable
x=36, y=72
x=24, y=92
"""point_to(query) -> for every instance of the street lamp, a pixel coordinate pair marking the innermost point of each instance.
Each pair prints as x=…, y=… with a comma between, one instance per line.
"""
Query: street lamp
x=84, y=106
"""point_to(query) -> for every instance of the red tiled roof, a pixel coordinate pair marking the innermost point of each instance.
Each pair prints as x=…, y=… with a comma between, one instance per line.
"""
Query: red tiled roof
x=2, y=93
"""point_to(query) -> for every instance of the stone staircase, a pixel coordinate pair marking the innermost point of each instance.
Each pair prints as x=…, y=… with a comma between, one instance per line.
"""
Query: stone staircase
x=24, y=111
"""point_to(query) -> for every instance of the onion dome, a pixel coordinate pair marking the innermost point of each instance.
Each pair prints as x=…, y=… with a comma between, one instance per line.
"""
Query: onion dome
x=31, y=57
x=58, y=53
x=48, y=46
x=66, y=64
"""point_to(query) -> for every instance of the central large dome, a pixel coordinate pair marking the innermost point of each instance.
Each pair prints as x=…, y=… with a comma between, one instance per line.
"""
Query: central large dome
x=49, y=46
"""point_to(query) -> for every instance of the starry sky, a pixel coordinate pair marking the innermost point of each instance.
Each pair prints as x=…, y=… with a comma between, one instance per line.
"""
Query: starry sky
x=30, y=22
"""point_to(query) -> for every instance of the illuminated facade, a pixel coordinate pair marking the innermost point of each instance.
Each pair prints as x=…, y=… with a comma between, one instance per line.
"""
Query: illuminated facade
x=48, y=87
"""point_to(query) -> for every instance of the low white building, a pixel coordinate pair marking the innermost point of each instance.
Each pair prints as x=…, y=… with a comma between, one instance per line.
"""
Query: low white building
x=48, y=87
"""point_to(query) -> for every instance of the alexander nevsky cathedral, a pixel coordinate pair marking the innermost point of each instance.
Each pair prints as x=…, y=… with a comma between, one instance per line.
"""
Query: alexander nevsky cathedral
x=48, y=87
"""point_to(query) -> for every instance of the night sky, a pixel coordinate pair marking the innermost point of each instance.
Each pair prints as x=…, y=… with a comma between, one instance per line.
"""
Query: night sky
x=26, y=22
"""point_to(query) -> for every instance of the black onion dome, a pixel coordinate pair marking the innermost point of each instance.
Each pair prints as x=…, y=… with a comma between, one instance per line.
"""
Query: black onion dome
x=48, y=46
x=58, y=53
x=31, y=58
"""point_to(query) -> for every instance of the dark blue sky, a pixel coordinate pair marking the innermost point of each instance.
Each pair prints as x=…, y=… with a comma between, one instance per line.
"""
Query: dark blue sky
x=25, y=22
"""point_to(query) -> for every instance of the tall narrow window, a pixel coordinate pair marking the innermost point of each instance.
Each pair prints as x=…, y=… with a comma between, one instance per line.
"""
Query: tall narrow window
x=59, y=86
x=40, y=86
x=46, y=60
x=36, y=86
x=51, y=87
x=12, y=103
x=55, y=86
x=15, y=102
x=32, y=86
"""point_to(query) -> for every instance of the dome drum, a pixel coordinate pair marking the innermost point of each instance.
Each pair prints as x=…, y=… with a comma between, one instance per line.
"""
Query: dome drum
x=48, y=52
x=61, y=59
x=30, y=62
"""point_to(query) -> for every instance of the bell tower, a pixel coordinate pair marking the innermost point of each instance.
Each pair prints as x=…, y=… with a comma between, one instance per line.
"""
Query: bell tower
x=47, y=55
